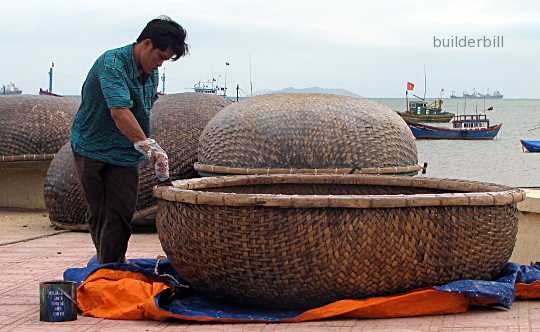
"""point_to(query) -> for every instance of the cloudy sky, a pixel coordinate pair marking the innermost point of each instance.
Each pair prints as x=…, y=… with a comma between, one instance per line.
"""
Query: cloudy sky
x=370, y=48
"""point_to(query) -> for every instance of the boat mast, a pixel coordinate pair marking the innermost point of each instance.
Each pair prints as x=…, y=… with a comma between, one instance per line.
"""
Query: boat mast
x=51, y=77
x=225, y=87
x=425, y=82
x=250, y=77
x=407, y=99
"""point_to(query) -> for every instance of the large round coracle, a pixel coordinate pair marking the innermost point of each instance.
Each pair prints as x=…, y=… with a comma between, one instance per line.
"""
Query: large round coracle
x=301, y=240
x=34, y=125
x=177, y=121
x=32, y=130
x=307, y=133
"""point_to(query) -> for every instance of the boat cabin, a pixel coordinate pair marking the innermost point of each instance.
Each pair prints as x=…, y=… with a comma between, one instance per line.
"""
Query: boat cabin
x=421, y=107
x=470, y=121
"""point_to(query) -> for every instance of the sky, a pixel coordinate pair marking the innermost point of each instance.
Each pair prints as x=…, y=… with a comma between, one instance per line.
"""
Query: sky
x=370, y=48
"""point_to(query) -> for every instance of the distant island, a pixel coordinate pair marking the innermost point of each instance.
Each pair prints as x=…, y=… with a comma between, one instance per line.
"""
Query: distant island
x=315, y=89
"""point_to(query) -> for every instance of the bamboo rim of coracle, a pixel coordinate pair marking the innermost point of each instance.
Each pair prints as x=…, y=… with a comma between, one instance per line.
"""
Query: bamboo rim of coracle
x=216, y=169
x=26, y=160
x=27, y=157
x=464, y=192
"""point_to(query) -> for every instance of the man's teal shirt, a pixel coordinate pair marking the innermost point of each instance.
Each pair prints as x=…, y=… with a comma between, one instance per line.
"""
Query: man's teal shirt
x=114, y=81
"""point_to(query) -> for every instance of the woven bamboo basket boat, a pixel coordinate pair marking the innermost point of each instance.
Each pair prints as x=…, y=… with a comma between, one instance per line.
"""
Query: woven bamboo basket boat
x=32, y=130
x=297, y=241
x=307, y=133
x=34, y=125
x=177, y=121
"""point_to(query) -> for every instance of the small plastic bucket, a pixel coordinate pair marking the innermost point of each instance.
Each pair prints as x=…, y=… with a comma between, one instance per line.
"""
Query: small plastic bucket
x=57, y=301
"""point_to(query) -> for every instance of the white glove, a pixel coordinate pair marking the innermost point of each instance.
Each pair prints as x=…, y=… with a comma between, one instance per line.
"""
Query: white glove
x=156, y=155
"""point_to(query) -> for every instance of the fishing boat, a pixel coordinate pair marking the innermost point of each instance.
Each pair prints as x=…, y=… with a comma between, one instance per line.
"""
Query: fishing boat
x=422, y=111
x=210, y=87
x=467, y=127
x=530, y=145
x=48, y=93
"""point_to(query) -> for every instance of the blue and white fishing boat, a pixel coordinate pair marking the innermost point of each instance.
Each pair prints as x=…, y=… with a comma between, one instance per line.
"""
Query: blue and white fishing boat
x=210, y=87
x=530, y=145
x=469, y=127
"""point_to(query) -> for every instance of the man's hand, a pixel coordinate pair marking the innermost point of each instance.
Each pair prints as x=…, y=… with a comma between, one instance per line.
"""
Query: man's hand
x=156, y=155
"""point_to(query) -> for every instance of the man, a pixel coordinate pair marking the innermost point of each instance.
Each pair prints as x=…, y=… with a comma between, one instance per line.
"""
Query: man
x=109, y=136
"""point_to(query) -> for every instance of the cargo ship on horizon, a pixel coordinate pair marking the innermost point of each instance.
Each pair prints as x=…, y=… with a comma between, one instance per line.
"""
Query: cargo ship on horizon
x=10, y=89
x=478, y=95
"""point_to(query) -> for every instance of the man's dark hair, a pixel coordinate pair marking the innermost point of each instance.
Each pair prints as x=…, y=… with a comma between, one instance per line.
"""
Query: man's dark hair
x=166, y=33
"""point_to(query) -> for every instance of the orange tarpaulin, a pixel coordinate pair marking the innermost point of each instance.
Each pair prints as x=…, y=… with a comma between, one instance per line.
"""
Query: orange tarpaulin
x=528, y=291
x=118, y=294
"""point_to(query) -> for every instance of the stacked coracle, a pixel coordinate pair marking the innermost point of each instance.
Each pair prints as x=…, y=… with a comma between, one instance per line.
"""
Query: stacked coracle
x=303, y=240
x=177, y=121
x=34, y=125
x=32, y=130
x=307, y=133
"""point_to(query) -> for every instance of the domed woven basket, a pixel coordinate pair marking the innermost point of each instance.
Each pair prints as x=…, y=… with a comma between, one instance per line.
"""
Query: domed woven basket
x=297, y=241
x=177, y=121
x=34, y=128
x=307, y=133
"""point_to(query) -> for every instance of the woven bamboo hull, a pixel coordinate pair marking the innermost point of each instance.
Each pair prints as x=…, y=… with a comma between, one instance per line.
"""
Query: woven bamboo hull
x=306, y=133
x=296, y=257
x=32, y=130
x=34, y=124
